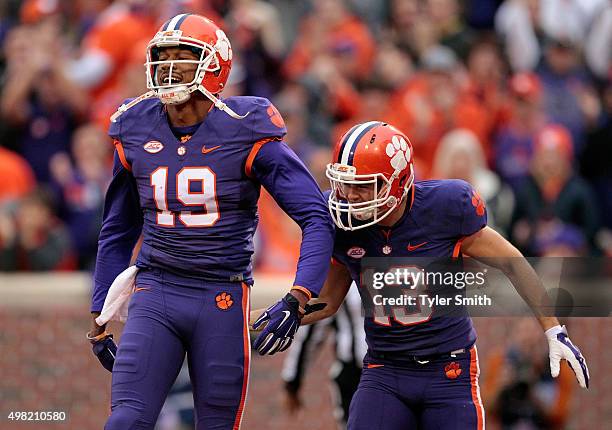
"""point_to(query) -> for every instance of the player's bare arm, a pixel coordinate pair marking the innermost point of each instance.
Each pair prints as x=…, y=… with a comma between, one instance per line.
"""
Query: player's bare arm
x=333, y=293
x=489, y=245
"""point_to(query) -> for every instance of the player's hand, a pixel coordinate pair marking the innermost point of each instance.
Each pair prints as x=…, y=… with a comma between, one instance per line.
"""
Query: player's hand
x=105, y=349
x=282, y=321
x=560, y=346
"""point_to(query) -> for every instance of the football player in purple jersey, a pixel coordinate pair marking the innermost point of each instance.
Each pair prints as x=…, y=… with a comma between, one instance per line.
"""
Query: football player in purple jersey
x=188, y=170
x=421, y=369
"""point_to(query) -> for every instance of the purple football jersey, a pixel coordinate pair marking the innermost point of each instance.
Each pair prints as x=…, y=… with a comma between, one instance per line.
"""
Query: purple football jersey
x=197, y=196
x=440, y=214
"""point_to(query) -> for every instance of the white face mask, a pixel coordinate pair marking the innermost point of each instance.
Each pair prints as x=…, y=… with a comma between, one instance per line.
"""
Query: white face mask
x=368, y=212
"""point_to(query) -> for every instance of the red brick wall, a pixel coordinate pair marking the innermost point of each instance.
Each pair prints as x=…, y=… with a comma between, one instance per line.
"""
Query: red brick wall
x=46, y=364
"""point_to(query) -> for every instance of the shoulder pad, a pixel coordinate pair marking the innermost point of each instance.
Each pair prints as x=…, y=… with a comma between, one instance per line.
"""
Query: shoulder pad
x=131, y=111
x=264, y=120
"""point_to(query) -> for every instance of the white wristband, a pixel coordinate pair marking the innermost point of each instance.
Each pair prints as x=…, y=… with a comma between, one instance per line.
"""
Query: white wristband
x=552, y=332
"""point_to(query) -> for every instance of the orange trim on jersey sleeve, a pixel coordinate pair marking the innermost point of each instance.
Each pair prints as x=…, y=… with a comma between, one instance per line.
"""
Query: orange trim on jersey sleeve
x=457, y=248
x=251, y=157
x=336, y=262
x=303, y=290
x=121, y=154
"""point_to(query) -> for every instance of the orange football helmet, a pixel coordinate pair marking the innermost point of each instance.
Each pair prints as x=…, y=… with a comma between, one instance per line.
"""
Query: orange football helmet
x=375, y=157
x=213, y=67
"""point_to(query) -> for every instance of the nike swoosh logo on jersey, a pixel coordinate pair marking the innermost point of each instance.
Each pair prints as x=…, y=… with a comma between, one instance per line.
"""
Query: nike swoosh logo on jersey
x=412, y=248
x=206, y=151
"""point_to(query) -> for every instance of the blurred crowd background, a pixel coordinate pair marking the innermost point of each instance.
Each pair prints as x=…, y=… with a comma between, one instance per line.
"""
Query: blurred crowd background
x=513, y=96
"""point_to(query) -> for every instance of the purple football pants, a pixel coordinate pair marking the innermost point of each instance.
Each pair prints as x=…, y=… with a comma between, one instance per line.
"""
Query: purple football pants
x=169, y=316
x=440, y=394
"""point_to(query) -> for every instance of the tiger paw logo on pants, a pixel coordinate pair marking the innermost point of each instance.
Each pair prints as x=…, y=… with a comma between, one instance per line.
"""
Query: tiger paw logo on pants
x=224, y=301
x=452, y=370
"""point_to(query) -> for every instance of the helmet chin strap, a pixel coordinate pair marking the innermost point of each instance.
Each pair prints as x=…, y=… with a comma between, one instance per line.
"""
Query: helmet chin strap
x=220, y=105
x=178, y=95
x=174, y=96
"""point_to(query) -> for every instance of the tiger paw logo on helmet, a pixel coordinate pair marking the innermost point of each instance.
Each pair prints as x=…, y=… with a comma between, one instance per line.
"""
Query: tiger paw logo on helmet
x=399, y=152
x=452, y=370
x=223, y=45
x=224, y=301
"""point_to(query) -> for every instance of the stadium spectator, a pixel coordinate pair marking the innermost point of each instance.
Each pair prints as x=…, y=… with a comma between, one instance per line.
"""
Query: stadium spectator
x=434, y=102
x=329, y=96
x=517, y=24
x=254, y=25
x=80, y=188
x=331, y=30
x=131, y=83
x=452, y=31
x=513, y=144
x=393, y=67
x=37, y=100
x=486, y=83
x=568, y=96
x=33, y=239
x=373, y=103
x=553, y=190
x=106, y=47
x=461, y=156
x=411, y=28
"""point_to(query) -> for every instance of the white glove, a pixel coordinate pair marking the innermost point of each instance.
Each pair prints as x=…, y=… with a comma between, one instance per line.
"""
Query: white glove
x=560, y=346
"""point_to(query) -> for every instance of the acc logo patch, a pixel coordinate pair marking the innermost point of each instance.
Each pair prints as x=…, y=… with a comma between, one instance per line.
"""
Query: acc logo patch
x=153, y=146
x=452, y=370
x=224, y=301
x=356, y=252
